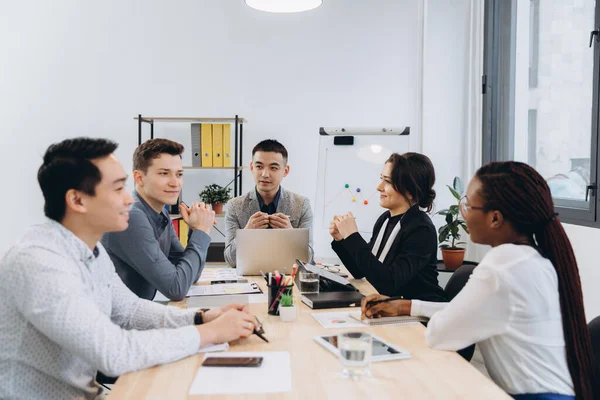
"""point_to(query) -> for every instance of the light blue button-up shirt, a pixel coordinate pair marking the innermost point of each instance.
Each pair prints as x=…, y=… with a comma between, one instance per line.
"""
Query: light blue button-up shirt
x=65, y=314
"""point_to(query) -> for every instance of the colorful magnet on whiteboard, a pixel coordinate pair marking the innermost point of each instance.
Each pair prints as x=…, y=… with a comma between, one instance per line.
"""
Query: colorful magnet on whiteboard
x=366, y=202
x=357, y=190
x=354, y=199
x=346, y=186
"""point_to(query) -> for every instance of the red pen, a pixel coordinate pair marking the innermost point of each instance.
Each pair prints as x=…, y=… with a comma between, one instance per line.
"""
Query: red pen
x=277, y=277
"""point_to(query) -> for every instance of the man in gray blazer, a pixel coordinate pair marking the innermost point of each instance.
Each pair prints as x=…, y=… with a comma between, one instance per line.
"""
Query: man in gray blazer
x=268, y=205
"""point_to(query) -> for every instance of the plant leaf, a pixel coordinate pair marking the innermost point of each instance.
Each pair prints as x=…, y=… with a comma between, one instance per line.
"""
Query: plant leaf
x=458, y=185
x=449, y=218
x=454, y=209
x=442, y=212
x=456, y=195
x=444, y=234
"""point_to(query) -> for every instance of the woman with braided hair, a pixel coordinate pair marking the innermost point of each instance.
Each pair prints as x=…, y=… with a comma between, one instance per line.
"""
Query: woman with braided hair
x=523, y=304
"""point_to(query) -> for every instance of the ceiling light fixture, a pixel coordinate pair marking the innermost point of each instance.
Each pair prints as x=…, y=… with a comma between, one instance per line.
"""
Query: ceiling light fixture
x=284, y=6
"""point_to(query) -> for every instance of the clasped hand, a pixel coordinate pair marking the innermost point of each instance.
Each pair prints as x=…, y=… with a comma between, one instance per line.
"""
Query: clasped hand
x=261, y=220
x=342, y=226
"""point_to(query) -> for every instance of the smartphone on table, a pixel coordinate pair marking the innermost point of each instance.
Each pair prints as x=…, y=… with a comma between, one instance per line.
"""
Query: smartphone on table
x=232, y=362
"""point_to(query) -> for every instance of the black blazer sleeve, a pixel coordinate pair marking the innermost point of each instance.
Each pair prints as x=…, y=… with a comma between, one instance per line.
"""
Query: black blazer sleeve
x=346, y=257
x=411, y=253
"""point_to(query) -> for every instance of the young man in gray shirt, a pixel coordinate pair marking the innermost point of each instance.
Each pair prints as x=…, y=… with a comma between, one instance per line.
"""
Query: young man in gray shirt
x=148, y=255
x=65, y=312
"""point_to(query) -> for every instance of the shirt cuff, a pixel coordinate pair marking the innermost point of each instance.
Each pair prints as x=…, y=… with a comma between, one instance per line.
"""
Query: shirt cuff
x=200, y=239
x=415, y=308
x=421, y=308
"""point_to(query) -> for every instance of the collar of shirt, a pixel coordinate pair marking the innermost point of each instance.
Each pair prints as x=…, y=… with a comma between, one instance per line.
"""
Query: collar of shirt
x=79, y=247
x=268, y=208
x=160, y=220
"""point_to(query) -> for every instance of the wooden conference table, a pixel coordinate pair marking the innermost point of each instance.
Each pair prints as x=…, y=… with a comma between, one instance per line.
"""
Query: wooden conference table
x=429, y=374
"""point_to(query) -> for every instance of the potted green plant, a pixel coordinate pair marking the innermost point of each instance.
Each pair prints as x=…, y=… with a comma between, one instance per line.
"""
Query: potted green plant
x=216, y=196
x=449, y=234
x=287, y=309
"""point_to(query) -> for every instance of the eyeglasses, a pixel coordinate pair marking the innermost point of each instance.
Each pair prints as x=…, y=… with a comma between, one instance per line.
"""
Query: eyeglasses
x=464, y=207
x=331, y=268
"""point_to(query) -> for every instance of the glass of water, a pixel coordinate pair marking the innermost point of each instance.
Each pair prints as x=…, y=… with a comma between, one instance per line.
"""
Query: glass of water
x=355, y=354
x=309, y=282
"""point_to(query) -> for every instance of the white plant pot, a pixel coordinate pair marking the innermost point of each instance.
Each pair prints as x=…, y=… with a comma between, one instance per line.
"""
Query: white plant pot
x=287, y=314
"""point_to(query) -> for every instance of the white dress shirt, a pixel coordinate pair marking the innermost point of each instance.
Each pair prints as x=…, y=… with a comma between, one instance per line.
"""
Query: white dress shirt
x=510, y=308
x=66, y=314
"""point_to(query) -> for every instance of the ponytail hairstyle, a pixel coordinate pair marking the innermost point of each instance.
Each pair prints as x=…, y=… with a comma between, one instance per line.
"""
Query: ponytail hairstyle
x=413, y=173
x=522, y=196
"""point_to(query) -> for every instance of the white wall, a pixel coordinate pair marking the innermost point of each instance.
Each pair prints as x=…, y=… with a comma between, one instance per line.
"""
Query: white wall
x=77, y=68
x=71, y=68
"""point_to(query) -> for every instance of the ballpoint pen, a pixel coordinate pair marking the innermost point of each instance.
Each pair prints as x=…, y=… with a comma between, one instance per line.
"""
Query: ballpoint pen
x=374, y=302
x=260, y=331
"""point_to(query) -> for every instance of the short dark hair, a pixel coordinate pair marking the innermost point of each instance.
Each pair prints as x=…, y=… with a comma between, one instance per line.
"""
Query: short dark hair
x=67, y=166
x=271, y=145
x=413, y=173
x=152, y=149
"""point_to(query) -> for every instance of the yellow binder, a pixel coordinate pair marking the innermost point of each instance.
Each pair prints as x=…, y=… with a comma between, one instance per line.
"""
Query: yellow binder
x=206, y=145
x=183, y=232
x=227, y=145
x=217, y=136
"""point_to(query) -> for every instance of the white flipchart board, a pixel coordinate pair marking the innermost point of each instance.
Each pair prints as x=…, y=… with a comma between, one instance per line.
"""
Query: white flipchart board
x=347, y=178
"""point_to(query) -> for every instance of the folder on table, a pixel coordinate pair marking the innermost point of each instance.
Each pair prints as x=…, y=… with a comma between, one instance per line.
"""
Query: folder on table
x=332, y=299
x=206, y=143
x=217, y=137
x=227, y=145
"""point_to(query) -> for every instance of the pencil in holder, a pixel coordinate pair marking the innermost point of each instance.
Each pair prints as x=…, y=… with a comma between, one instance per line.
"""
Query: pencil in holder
x=274, y=293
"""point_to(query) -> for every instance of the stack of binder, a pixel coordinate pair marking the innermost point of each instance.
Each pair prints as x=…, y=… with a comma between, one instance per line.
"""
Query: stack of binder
x=182, y=230
x=211, y=145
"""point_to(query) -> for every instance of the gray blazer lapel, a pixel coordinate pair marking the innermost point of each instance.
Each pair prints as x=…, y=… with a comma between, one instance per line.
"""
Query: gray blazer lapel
x=251, y=205
x=285, y=205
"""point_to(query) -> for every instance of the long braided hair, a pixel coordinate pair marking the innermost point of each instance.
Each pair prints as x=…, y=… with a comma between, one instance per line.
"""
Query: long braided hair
x=522, y=196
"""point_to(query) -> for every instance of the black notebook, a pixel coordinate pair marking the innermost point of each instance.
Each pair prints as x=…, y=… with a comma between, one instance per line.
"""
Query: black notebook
x=332, y=299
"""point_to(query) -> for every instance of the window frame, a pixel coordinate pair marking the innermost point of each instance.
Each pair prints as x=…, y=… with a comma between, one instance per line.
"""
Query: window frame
x=499, y=100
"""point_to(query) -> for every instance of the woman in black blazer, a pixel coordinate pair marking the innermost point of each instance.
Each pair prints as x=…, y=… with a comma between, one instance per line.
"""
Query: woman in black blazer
x=401, y=258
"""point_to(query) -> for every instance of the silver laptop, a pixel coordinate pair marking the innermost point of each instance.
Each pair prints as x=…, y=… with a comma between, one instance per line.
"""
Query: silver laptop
x=268, y=250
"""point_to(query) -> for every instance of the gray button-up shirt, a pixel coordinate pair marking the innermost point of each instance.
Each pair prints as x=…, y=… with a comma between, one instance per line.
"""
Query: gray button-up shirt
x=65, y=314
x=149, y=256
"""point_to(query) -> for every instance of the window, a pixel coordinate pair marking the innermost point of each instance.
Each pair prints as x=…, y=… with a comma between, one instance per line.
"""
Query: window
x=541, y=96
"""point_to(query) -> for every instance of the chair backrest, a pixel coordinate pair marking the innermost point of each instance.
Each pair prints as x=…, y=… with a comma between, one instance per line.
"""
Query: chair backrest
x=594, y=327
x=458, y=280
x=455, y=284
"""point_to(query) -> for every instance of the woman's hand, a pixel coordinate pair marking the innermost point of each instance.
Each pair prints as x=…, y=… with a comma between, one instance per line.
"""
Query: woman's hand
x=384, y=309
x=333, y=231
x=346, y=224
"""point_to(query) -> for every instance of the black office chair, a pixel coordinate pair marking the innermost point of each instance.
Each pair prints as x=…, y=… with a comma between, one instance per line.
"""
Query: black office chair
x=458, y=280
x=455, y=284
x=594, y=327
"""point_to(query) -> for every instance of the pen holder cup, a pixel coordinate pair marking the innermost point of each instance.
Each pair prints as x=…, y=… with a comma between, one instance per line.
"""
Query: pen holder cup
x=274, y=293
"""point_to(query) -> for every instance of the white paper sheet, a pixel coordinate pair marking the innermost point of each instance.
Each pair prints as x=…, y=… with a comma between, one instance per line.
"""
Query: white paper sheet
x=350, y=319
x=331, y=320
x=226, y=288
x=161, y=298
x=219, y=301
x=241, y=380
x=219, y=274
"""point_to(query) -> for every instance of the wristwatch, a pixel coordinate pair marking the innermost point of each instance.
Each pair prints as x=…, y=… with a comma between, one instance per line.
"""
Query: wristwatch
x=199, y=317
